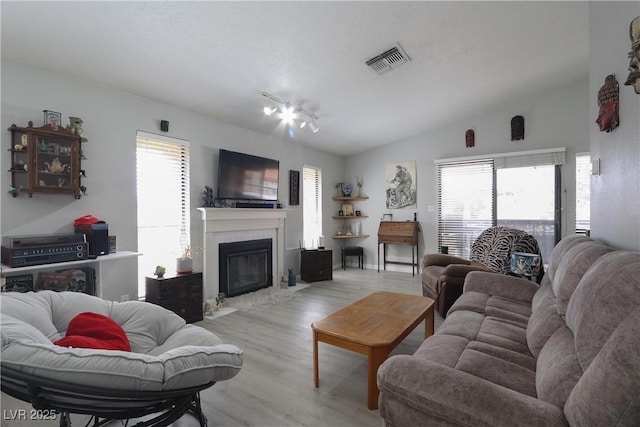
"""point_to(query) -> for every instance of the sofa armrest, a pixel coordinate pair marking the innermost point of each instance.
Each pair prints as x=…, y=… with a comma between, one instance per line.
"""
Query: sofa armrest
x=461, y=270
x=415, y=390
x=442, y=260
x=500, y=285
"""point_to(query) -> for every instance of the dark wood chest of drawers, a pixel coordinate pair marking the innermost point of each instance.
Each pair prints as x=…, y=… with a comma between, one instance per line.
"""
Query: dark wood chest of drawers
x=181, y=294
x=316, y=265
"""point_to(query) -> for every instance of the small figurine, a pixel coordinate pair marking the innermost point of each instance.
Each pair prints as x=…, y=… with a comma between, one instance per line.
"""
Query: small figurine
x=208, y=199
x=292, y=277
x=55, y=166
x=220, y=301
x=75, y=125
x=160, y=270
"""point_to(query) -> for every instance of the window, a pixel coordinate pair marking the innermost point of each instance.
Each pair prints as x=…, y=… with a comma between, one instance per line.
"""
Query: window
x=312, y=205
x=465, y=208
x=583, y=192
x=526, y=200
x=519, y=190
x=163, y=202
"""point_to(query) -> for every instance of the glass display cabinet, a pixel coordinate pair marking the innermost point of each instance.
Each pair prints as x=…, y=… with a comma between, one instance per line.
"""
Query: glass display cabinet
x=45, y=160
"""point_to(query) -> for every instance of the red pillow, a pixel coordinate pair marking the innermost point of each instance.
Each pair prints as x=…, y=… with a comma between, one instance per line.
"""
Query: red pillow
x=93, y=330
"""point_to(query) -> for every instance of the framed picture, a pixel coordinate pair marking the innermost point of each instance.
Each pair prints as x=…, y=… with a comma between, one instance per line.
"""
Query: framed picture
x=294, y=188
x=347, y=208
x=358, y=213
x=52, y=118
x=401, y=185
x=340, y=213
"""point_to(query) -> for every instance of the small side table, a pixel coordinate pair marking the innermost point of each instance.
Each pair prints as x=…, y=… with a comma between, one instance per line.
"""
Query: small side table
x=316, y=265
x=181, y=294
x=352, y=251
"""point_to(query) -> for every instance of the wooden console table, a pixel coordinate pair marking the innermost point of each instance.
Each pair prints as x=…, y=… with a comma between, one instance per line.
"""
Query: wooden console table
x=399, y=233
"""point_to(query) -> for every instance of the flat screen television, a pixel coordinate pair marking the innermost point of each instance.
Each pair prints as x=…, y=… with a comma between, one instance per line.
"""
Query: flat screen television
x=246, y=177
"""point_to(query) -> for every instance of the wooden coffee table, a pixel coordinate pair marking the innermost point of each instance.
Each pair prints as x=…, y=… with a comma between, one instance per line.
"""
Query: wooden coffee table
x=374, y=326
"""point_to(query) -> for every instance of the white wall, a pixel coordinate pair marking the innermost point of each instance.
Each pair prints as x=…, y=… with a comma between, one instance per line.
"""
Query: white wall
x=615, y=193
x=556, y=118
x=111, y=120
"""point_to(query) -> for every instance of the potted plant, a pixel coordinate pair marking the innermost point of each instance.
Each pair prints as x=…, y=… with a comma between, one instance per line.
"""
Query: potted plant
x=184, y=264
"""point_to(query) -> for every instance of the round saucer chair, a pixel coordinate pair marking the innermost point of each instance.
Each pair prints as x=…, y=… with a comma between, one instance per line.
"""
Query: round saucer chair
x=74, y=353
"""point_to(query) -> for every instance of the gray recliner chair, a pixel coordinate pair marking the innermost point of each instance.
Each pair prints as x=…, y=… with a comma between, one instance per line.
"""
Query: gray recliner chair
x=443, y=275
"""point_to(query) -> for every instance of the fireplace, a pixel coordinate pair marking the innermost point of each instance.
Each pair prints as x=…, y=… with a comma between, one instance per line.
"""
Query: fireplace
x=245, y=266
x=226, y=225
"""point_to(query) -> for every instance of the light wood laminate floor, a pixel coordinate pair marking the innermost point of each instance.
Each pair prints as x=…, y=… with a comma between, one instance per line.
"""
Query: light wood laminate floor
x=276, y=386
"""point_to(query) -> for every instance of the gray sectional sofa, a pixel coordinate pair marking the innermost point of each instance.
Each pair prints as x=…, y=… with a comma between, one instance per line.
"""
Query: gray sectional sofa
x=511, y=353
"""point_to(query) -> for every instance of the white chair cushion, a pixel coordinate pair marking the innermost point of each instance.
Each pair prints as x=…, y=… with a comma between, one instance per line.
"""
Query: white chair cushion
x=166, y=353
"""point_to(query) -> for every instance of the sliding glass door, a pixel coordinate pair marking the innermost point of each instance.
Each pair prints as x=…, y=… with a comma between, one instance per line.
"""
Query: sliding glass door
x=526, y=200
x=519, y=190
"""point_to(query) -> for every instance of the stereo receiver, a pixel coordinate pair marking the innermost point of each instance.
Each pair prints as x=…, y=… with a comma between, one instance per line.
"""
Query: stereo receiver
x=35, y=250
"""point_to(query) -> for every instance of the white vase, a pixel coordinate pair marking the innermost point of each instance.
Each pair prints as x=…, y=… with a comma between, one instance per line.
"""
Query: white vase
x=184, y=265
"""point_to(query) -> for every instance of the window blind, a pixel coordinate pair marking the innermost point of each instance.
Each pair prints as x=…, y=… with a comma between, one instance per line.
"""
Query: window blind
x=543, y=157
x=162, y=169
x=312, y=205
x=583, y=192
x=466, y=203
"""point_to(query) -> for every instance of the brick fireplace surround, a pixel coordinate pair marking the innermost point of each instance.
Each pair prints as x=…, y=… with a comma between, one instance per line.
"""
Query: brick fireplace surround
x=226, y=225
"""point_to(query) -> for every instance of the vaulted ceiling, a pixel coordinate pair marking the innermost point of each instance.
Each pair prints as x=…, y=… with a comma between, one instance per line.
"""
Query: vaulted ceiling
x=215, y=58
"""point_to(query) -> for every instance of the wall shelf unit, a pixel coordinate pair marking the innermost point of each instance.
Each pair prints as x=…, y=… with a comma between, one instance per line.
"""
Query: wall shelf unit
x=349, y=216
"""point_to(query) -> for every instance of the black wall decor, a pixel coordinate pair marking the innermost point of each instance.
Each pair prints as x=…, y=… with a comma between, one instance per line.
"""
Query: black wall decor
x=517, y=128
x=294, y=188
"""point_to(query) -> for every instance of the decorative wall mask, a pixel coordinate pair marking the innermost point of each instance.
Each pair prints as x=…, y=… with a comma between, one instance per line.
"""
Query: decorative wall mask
x=470, y=138
x=608, y=95
x=634, y=64
x=517, y=128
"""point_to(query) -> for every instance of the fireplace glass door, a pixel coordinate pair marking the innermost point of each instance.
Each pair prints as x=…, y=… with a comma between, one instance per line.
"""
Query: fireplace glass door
x=245, y=266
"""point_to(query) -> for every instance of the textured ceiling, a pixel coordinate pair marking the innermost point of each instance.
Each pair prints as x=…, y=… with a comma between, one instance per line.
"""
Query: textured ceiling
x=215, y=58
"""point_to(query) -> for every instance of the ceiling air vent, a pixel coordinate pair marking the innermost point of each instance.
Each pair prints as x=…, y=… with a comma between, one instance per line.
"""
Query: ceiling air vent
x=388, y=60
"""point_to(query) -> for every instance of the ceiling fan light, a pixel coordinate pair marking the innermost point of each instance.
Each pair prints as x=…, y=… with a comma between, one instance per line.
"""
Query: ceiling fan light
x=314, y=127
x=303, y=123
x=288, y=114
x=269, y=108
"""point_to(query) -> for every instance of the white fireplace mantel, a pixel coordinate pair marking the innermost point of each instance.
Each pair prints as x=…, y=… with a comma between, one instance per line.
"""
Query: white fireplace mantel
x=224, y=225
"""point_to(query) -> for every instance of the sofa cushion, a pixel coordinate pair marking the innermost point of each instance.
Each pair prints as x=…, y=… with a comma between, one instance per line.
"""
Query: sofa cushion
x=591, y=321
x=560, y=249
x=608, y=393
x=557, y=370
x=497, y=295
x=575, y=262
x=544, y=320
x=93, y=330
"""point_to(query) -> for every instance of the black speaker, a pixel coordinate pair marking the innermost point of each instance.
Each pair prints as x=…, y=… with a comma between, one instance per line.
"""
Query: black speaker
x=97, y=237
